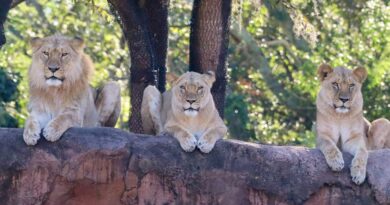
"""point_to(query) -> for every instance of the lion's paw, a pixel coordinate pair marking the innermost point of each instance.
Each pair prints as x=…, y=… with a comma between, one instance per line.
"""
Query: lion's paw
x=31, y=133
x=188, y=144
x=51, y=134
x=31, y=136
x=205, y=146
x=358, y=172
x=336, y=162
x=358, y=175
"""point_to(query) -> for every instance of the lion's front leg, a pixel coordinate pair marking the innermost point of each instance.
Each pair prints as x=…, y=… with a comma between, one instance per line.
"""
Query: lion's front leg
x=32, y=131
x=356, y=146
x=108, y=104
x=56, y=127
x=186, y=139
x=332, y=154
x=207, y=141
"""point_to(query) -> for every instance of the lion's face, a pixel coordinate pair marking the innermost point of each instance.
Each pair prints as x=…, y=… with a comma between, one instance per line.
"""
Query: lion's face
x=341, y=87
x=192, y=92
x=56, y=59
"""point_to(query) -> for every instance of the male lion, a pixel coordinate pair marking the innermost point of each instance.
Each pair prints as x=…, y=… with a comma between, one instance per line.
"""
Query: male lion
x=187, y=111
x=379, y=134
x=340, y=120
x=60, y=96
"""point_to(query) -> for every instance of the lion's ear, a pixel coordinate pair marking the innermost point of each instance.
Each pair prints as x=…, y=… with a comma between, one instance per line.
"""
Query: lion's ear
x=323, y=71
x=36, y=42
x=171, y=77
x=210, y=77
x=176, y=80
x=360, y=73
x=77, y=43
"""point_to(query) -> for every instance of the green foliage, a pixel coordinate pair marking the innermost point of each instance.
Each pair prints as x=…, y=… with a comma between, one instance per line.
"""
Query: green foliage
x=293, y=37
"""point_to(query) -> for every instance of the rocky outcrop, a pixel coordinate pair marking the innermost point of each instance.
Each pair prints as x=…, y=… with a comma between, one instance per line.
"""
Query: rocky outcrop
x=108, y=166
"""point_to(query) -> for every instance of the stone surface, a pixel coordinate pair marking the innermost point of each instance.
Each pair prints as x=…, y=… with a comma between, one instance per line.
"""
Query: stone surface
x=109, y=166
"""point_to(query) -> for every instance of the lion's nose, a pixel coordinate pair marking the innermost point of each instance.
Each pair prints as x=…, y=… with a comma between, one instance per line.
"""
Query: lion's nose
x=344, y=99
x=191, y=101
x=53, y=68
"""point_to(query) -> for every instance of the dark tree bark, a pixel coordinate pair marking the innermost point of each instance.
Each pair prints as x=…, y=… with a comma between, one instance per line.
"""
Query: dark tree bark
x=209, y=42
x=146, y=30
x=133, y=20
x=5, y=5
x=157, y=13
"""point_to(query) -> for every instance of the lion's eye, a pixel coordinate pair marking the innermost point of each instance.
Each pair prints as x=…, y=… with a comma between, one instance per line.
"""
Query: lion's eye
x=335, y=85
x=45, y=53
x=352, y=85
x=182, y=89
x=200, y=89
x=64, y=54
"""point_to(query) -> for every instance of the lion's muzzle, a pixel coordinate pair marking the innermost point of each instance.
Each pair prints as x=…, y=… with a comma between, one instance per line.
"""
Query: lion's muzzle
x=191, y=112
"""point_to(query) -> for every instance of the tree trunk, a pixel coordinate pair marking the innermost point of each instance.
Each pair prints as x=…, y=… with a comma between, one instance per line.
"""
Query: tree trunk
x=157, y=13
x=145, y=27
x=209, y=42
x=4, y=8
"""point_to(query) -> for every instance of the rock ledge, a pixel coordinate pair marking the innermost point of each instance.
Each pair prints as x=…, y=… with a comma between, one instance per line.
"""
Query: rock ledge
x=109, y=166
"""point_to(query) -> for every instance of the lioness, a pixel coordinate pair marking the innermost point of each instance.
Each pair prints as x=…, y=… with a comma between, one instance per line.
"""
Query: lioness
x=60, y=95
x=187, y=111
x=379, y=134
x=340, y=118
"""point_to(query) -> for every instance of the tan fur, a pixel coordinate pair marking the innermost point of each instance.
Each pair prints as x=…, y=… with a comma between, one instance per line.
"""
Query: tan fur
x=170, y=112
x=342, y=125
x=62, y=98
x=379, y=134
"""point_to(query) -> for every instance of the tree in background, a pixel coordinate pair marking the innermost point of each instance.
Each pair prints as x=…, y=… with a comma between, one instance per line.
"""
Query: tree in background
x=274, y=50
x=209, y=40
x=145, y=28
